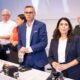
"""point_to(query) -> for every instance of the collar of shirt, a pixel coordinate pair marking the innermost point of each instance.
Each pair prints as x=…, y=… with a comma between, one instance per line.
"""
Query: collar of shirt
x=28, y=33
x=6, y=22
x=31, y=24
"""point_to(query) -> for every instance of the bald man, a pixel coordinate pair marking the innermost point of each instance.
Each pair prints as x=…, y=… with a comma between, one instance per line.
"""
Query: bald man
x=6, y=27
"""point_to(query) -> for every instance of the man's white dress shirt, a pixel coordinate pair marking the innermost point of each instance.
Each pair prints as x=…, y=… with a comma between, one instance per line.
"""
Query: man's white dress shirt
x=28, y=36
x=6, y=30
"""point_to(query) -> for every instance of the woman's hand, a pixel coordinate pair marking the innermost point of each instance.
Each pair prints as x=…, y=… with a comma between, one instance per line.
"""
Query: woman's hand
x=60, y=67
x=70, y=64
x=64, y=67
x=57, y=66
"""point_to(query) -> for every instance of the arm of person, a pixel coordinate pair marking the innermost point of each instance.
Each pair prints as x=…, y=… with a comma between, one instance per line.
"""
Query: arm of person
x=75, y=61
x=54, y=64
x=75, y=30
x=68, y=65
x=5, y=37
x=12, y=41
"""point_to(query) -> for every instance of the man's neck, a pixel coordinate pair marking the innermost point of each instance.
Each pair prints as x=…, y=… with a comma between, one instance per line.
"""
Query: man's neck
x=29, y=23
x=5, y=21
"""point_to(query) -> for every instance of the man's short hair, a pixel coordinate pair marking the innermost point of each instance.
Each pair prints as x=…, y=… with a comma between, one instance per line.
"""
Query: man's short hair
x=30, y=6
x=6, y=10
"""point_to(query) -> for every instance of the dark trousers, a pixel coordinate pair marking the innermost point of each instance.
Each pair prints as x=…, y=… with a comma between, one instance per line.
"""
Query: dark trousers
x=3, y=49
x=14, y=54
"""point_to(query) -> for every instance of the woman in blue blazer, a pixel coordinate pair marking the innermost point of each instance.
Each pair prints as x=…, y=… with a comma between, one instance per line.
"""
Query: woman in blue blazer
x=64, y=52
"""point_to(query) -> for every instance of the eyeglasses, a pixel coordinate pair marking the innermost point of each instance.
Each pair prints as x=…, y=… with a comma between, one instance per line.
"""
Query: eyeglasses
x=28, y=12
x=5, y=15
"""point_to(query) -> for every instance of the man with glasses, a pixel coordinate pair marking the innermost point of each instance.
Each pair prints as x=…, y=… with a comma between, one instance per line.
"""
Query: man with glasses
x=33, y=41
x=6, y=26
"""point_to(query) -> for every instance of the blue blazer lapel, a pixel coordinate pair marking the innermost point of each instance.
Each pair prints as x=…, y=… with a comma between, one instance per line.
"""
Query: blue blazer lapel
x=33, y=29
x=56, y=50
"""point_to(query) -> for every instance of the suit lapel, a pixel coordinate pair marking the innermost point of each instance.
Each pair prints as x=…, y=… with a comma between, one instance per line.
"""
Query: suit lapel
x=68, y=47
x=56, y=49
x=32, y=32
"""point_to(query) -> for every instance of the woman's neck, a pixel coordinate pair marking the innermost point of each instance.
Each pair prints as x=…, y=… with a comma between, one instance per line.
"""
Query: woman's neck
x=63, y=37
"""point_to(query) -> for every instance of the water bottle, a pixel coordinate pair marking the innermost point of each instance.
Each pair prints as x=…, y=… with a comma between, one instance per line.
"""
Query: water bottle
x=21, y=57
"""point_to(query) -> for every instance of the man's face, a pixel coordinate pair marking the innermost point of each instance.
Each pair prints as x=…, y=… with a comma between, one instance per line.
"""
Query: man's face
x=29, y=14
x=5, y=16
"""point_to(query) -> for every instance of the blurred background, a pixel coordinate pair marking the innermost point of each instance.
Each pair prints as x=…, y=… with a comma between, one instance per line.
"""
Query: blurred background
x=48, y=11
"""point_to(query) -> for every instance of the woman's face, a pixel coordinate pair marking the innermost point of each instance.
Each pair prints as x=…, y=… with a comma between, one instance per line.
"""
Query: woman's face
x=63, y=27
x=19, y=21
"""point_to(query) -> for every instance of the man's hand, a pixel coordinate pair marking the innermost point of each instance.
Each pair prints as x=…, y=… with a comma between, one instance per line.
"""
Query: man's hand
x=23, y=50
x=14, y=43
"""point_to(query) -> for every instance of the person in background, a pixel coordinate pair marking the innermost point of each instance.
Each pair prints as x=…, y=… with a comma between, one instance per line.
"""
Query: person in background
x=6, y=27
x=32, y=40
x=14, y=36
x=76, y=30
x=64, y=52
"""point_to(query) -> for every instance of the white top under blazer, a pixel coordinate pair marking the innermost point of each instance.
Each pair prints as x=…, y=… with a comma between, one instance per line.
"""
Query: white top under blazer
x=61, y=50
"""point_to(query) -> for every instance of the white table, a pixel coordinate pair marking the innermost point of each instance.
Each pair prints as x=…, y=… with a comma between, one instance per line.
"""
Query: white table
x=4, y=77
x=32, y=74
x=35, y=75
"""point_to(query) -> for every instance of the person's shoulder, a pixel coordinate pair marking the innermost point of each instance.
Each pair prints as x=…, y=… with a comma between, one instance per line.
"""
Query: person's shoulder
x=22, y=25
x=11, y=21
x=15, y=29
x=76, y=38
x=0, y=22
x=77, y=26
x=39, y=22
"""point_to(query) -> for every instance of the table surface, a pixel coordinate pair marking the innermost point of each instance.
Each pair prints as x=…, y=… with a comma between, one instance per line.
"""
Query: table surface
x=32, y=74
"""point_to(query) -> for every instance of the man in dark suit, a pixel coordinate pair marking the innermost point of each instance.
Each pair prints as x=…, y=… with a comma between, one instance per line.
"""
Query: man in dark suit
x=33, y=40
x=77, y=27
